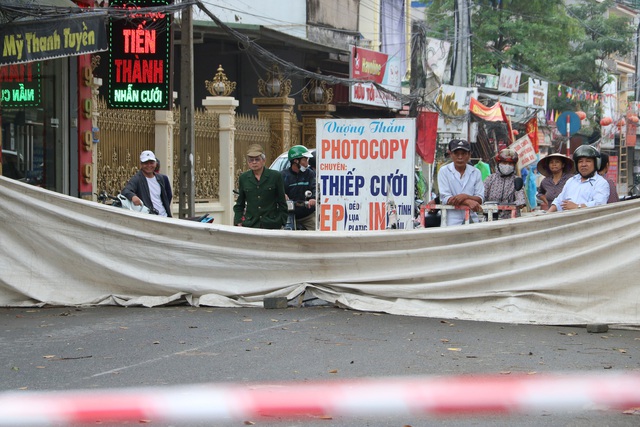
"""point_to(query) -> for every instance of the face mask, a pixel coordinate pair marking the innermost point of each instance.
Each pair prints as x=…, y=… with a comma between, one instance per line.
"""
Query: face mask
x=506, y=169
x=303, y=168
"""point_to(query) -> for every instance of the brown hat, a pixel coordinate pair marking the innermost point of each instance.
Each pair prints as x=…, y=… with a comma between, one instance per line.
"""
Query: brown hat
x=255, y=150
x=543, y=164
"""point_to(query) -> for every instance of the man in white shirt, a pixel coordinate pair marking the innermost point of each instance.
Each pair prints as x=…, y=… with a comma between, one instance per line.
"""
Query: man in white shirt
x=147, y=188
x=460, y=184
x=585, y=189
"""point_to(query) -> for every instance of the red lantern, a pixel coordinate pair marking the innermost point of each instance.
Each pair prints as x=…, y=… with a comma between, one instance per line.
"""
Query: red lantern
x=515, y=132
x=633, y=118
x=606, y=121
x=581, y=115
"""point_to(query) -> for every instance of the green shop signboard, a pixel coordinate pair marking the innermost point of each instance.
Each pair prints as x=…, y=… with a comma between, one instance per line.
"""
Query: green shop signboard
x=139, y=58
x=20, y=85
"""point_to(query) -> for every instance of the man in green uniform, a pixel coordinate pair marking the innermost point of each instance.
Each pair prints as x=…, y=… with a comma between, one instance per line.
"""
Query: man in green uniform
x=261, y=199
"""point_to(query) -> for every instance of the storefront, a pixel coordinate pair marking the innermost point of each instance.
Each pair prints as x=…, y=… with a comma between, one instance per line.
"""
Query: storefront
x=45, y=88
x=34, y=147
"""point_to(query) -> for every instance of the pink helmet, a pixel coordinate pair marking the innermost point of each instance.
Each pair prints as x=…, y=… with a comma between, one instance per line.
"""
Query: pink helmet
x=507, y=155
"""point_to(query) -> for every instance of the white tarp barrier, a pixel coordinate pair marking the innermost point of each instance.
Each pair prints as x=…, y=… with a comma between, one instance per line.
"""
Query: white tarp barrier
x=565, y=268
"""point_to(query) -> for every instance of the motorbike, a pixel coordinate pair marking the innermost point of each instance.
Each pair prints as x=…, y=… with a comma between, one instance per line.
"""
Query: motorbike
x=122, y=202
x=291, y=207
x=633, y=193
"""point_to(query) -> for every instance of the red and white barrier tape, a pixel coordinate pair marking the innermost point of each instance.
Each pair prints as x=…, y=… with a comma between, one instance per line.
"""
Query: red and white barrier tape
x=349, y=398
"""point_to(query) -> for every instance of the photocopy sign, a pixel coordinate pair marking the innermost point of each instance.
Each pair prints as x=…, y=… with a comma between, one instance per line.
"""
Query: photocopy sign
x=364, y=167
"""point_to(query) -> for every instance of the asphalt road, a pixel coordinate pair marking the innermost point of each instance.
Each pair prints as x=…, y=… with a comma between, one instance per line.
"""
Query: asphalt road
x=106, y=347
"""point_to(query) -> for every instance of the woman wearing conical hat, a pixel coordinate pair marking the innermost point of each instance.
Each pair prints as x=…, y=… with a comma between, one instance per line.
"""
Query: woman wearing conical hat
x=557, y=169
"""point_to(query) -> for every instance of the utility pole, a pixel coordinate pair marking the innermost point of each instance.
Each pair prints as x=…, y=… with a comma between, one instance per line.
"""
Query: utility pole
x=636, y=85
x=186, y=194
x=462, y=53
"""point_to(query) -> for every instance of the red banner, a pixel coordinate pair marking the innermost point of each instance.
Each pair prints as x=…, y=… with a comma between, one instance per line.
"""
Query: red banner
x=532, y=131
x=490, y=114
x=507, y=120
x=368, y=64
x=631, y=134
x=427, y=134
x=494, y=113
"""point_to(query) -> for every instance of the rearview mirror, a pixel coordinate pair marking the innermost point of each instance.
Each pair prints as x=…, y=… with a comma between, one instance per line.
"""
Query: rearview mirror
x=518, y=183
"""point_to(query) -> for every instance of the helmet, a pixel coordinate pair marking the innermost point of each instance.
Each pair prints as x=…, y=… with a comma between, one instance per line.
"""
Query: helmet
x=587, y=151
x=507, y=155
x=298, y=151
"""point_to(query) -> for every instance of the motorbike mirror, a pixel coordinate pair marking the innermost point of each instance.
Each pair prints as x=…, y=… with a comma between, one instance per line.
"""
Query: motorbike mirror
x=518, y=183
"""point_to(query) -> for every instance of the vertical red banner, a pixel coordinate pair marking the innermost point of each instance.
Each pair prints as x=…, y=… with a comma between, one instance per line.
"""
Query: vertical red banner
x=507, y=120
x=85, y=120
x=631, y=133
x=427, y=130
x=532, y=131
x=85, y=139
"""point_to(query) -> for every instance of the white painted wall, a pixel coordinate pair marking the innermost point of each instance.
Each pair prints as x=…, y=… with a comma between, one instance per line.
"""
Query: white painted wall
x=369, y=25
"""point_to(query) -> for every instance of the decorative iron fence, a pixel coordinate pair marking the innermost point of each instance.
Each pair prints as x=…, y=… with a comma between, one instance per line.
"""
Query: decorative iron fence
x=206, y=156
x=124, y=134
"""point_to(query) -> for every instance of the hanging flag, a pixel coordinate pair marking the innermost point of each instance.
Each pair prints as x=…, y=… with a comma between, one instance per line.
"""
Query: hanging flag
x=427, y=130
x=507, y=120
x=532, y=130
x=490, y=114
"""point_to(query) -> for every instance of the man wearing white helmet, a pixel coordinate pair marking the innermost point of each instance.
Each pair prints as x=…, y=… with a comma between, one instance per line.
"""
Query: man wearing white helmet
x=586, y=188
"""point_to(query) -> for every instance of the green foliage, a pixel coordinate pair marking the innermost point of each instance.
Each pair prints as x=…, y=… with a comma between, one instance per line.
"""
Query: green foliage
x=567, y=45
x=528, y=35
x=601, y=38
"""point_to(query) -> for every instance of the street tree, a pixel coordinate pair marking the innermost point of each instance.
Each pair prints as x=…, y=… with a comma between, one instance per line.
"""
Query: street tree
x=603, y=36
x=527, y=35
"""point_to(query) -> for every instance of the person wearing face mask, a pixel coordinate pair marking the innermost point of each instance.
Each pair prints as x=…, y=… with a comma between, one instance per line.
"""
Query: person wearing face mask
x=500, y=187
x=299, y=180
